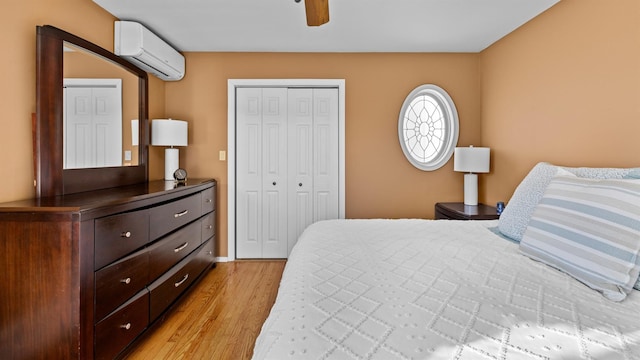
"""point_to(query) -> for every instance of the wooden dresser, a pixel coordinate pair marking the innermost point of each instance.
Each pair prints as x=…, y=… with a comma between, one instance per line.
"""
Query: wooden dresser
x=84, y=275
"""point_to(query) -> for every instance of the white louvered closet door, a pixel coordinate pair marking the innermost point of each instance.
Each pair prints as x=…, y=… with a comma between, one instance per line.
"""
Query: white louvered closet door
x=313, y=158
x=261, y=164
x=92, y=126
x=286, y=166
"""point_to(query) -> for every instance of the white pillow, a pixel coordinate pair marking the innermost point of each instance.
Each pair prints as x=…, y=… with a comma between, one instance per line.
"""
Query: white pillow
x=515, y=216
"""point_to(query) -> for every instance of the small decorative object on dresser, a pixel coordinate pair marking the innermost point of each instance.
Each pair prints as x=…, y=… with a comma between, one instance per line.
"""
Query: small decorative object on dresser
x=180, y=175
x=460, y=211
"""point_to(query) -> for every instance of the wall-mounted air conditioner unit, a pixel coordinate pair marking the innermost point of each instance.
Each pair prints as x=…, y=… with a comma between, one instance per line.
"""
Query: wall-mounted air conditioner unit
x=146, y=50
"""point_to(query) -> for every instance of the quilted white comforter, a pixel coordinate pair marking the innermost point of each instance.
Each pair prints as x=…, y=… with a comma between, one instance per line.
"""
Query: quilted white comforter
x=424, y=289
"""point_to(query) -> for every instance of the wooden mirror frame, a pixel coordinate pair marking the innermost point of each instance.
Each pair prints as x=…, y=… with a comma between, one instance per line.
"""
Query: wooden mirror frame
x=51, y=179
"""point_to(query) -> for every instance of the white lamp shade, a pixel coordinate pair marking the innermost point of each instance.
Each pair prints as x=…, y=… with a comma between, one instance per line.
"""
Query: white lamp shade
x=134, y=132
x=168, y=132
x=471, y=159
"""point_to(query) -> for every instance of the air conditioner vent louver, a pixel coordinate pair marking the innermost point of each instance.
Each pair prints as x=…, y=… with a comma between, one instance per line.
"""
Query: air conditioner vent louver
x=146, y=50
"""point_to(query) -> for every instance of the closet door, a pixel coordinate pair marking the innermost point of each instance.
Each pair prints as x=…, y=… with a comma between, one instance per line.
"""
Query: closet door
x=326, y=162
x=286, y=166
x=300, y=203
x=274, y=177
x=313, y=158
x=261, y=179
x=78, y=124
x=93, y=126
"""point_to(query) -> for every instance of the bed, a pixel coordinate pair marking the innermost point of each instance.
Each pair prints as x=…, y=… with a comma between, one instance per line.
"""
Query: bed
x=446, y=289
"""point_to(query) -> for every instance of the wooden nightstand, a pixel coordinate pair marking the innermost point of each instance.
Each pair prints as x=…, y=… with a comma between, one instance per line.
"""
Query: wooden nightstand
x=460, y=211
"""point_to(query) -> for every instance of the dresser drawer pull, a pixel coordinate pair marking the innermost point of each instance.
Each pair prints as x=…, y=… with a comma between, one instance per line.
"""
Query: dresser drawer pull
x=181, y=281
x=126, y=326
x=208, y=201
x=209, y=227
x=126, y=234
x=181, y=247
x=126, y=281
x=182, y=213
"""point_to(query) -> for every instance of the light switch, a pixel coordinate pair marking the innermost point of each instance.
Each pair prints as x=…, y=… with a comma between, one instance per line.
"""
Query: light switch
x=127, y=155
x=223, y=155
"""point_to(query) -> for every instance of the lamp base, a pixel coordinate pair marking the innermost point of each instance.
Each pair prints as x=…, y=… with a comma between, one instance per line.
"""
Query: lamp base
x=471, y=189
x=171, y=162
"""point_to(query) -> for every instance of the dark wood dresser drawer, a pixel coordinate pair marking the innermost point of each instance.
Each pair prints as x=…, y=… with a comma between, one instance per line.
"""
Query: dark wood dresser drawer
x=119, y=281
x=171, y=249
x=208, y=200
x=90, y=296
x=170, y=216
x=208, y=226
x=166, y=289
x=120, y=328
x=119, y=235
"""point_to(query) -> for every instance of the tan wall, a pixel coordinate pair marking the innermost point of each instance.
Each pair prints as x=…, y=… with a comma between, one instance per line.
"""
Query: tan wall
x=17, y=97
x=380, y=182
x=564, y=88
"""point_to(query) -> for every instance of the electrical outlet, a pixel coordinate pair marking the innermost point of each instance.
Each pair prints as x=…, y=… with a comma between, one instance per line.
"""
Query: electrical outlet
x=223, y=155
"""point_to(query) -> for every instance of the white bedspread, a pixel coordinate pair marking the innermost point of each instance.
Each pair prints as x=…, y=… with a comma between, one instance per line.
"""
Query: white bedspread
x=424, y=289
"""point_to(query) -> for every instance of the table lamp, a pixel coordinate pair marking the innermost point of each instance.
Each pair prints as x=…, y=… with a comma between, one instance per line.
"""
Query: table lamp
x=169, y=132
x=471, y=160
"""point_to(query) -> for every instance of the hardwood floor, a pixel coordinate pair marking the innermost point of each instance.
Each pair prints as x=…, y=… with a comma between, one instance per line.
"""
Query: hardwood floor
x=221, y=317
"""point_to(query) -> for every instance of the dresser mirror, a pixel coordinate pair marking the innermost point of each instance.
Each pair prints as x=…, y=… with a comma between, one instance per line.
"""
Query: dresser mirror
x=100, y=106
x=91, y=122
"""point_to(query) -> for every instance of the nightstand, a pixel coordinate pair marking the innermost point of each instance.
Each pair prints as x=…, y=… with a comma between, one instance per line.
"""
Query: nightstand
x=460, y=211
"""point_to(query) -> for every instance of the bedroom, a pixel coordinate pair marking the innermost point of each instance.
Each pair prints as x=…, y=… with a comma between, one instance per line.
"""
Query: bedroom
x=563, y=88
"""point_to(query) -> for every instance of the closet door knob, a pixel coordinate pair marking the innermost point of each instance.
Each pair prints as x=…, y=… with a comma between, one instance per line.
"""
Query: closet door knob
x=274, y=183
x=300, y=184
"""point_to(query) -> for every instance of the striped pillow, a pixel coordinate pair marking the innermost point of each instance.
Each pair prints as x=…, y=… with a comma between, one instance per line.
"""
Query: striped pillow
x=589, y=229
x=515, y=217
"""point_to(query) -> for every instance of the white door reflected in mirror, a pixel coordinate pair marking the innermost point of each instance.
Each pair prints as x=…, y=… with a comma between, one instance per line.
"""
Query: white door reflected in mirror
x=92, y=123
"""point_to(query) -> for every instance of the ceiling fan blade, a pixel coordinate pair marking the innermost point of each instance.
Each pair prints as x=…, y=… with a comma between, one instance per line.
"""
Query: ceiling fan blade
x=317, y=12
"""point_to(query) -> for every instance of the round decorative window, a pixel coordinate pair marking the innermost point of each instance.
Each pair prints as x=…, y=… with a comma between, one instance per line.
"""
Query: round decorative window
x=428, y=127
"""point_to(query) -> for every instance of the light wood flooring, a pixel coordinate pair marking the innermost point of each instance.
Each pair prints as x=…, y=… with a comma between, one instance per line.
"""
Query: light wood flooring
x=221, y=318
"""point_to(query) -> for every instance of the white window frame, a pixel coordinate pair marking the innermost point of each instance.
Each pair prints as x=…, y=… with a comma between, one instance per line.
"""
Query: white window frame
x=451, y=127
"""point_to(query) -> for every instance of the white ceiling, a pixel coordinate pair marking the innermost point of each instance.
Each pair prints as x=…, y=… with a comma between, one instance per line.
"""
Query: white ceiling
x=354, y=26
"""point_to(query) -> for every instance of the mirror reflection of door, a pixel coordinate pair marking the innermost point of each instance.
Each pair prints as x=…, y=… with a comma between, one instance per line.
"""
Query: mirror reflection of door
x=92, y=123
